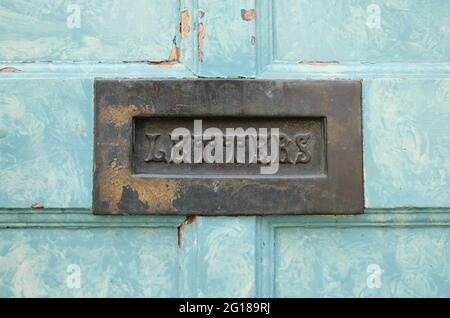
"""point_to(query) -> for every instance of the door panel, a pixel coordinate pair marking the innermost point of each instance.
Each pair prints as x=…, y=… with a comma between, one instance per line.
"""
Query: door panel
x=87, y=30
x=47, y=151
x=334, y=263
x=406, y=142
x=229, y=38
x=227, y=258
x=112, y=262
x=361, y=31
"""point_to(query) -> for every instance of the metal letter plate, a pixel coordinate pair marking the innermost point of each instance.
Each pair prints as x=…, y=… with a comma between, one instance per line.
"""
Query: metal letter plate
x=137, y=151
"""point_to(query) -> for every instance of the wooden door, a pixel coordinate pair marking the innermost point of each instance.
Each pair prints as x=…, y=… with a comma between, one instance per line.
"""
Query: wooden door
x=52, y=245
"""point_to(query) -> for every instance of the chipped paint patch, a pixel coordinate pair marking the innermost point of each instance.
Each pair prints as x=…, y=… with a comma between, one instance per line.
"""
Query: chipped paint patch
x=190, y=219
x=174, y=52
x=136, y=62
x=201, y=14
x=248, y=15
x=201, y=36
x=184, y=24
x=253, y=40
x=37, y=206
x=8, y=69
x=163, y=64
x=173, y=58
x=319, y=63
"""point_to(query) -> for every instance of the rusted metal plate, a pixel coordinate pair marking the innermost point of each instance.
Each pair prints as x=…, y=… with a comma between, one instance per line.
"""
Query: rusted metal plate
x=227, y=147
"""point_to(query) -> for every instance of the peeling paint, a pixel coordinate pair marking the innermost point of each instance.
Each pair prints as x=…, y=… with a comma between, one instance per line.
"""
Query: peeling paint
x=201, y=14
x=253, y=40
x=173, y=58
x=164, y=63
x=201, y=36
x=189, y=220
x=180, y=235
x=175, y=52
x=37, y=206
x=8, y=69
x=248, y=15
x=319, y=63
x=158, y=194
x=184, y=24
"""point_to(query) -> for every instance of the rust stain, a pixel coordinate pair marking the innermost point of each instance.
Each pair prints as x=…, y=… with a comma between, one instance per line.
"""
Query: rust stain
x=117, y=116
x=248, y=15
x=155, y=193
x=136, y=62
x=111, y=190
x=319, y=63
x=37, y=206
x=184, y=24
x=201, y=36
x=253, y=40
x=8, y=69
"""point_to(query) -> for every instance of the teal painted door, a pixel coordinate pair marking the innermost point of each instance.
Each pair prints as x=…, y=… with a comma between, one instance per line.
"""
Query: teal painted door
x=52, y=50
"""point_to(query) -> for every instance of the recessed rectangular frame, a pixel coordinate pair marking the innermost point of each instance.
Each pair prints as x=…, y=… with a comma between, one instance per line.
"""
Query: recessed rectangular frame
x=313, y=163
x=118, y=102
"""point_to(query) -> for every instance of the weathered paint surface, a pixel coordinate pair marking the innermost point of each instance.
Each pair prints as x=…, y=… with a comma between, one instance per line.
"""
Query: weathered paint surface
x=334, y=263
x=221, y=273
x=407, y=142
x=362, y=30
x=113, y=262
x=116, y=30
x=226, y=47
x=46, y=151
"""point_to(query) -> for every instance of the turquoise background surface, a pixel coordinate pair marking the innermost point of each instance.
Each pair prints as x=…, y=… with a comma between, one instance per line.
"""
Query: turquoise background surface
x=47, y=71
